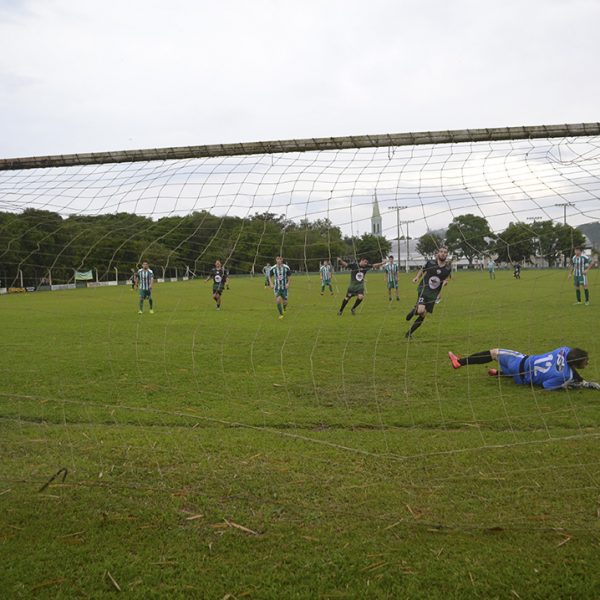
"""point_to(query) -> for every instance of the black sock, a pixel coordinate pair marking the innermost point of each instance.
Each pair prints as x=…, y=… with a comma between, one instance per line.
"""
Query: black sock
x=418, y=322
x=587, y=294
x=578, y=294
x=479, y=358
x=411, y=314
x=358, y=301
x=344, y=302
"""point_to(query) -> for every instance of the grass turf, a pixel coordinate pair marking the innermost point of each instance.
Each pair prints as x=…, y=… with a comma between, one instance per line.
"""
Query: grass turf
x=213, y=453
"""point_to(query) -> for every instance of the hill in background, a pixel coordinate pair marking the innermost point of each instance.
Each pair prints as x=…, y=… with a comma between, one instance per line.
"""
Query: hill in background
x=592, y=230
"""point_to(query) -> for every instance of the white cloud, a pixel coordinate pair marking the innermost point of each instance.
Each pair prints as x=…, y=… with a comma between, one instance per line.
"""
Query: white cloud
x=90, y=76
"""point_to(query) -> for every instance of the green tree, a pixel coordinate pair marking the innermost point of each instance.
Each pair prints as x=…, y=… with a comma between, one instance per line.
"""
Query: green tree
x=515, y=243
x=468, y=236
x=371, y=247
x=429, y=243
x=567, y=239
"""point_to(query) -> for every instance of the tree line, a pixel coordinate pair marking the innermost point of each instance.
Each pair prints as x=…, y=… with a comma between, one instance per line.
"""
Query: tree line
x=36, y=242
x=471, y=237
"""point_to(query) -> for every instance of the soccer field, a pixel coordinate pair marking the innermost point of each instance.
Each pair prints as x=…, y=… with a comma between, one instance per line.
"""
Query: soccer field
x=231, y=454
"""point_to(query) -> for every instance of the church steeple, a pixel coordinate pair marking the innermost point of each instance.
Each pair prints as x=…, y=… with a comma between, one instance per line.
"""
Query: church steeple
x=376, y=218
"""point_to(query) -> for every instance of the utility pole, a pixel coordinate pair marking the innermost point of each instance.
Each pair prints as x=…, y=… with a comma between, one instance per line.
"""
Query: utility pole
x=407, y=223
x=564, y=206
x=537, y=239
x=398, y=209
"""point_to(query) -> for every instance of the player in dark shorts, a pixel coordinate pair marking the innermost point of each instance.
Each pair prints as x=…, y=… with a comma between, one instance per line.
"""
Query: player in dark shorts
x=553, y=370
x=431, y=279
x=517, y=271
x=357, y=281
x=219, y=277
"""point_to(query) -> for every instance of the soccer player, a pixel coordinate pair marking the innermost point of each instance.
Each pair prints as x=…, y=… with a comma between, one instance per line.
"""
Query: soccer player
x=391, y=277
x=580, y=265
x=430, y=279
x=219, y=276
x=143, y=280
x=279, y=280
x=325, y=272
x=517, y=271
x=491, y=267
x=267, y=274
x=553, y=370
x=357, y=281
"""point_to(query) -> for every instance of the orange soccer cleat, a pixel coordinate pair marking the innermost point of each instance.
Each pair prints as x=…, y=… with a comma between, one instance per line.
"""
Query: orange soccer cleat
x=454, y=360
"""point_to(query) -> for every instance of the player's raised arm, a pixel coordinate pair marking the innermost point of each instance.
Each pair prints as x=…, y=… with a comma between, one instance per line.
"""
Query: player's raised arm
x=418, y=276
x=342, y=262
x=379, y=264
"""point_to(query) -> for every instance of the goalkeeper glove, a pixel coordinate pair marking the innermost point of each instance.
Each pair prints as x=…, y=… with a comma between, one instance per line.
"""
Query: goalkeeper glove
x=591, y=385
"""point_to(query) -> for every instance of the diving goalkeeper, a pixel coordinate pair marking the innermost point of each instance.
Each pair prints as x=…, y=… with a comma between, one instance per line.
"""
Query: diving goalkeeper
x=554, y=370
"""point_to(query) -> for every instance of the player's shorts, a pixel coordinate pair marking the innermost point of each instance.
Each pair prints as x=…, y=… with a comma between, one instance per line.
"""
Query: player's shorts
x=511, y=364
x=580, y=280
x=391, y=285
x=218, y=289
x=145, y=294
x=427, y=297
x=281, y=293
x=325, y=282
x=355, y=290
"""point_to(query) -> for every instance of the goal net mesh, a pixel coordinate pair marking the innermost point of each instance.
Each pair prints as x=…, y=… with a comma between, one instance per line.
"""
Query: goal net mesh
x=126, y=401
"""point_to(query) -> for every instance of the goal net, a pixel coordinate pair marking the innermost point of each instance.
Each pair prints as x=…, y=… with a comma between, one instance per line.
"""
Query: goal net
x=315, y=406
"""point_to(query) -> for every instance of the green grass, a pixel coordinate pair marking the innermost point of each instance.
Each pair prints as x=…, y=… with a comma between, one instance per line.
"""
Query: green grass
x=354, y=463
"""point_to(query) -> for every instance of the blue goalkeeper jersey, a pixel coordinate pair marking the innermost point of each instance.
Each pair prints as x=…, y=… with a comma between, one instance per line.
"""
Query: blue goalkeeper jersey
x=549, y=370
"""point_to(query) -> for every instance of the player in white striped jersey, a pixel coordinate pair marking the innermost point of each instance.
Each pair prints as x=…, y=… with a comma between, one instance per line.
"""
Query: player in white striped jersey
x=144, y=279
x=325, y=273
x=580, y=265
x=279, y=280
x=391, y=277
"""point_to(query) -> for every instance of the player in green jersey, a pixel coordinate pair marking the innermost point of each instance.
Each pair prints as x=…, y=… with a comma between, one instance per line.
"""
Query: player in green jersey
x=219, y=277
x=325, y=271
x=144, y=280
x=391, y=277
x=358, y=270
x=580, y=265
x=279, y=280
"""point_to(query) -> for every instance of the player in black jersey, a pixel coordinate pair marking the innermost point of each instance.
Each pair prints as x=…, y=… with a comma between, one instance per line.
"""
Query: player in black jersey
x=431, y=279
x=219, y=276
x=357, y=281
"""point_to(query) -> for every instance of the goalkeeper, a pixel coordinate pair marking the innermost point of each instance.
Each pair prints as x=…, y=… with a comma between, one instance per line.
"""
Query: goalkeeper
x=554, y=370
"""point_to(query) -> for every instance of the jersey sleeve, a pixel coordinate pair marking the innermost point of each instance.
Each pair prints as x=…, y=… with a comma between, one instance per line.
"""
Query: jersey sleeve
x=556, y=383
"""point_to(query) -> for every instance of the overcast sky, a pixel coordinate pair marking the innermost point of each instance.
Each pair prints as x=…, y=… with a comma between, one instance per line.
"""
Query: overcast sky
x=82, y=76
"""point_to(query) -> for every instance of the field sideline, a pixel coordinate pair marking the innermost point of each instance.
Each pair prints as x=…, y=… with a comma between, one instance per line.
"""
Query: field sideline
x=213, y=453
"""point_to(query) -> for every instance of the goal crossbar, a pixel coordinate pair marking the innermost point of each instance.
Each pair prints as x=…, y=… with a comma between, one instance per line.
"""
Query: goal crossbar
x=305, y=145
